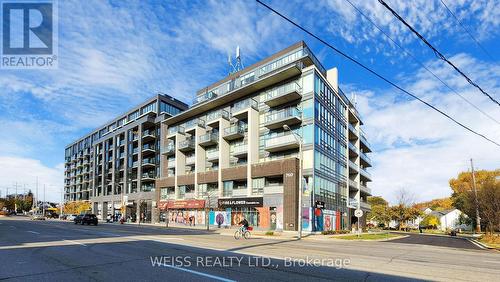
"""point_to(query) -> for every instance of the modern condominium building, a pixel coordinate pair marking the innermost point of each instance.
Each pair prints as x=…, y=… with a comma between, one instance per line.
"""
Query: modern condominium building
x=241, y=149
x=249, y=146
x=118, y=162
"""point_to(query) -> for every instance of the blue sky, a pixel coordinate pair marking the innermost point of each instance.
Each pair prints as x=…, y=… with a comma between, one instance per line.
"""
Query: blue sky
x=115, y=54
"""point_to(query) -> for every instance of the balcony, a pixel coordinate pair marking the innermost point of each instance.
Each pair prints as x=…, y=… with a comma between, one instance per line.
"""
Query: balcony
x=205, y=97
x=353, y=184
x=148, y=148
x=175, y=130
x=190, y=160
x=282, y=94
x=214, y=116
x=353, y=132
x=168, y=150
x=135, y=150
x=148, y=162
x=148, y=176
x=148, y=187
x=171, y=163
x=148, y=135
x=212, y=155
x=234, y=132
x=186, y=145
x=240, y=192
x=353, y=168
x=353, y=151
x=365, y=160
x=366, y=190
x=365, y=174
x=364, y=143
x=208, y=139
x=239, y=150
x=243, y=105
x=281, y=143
x=194, y=123
x=286, y=116
x=121, y=143
x=365, y=206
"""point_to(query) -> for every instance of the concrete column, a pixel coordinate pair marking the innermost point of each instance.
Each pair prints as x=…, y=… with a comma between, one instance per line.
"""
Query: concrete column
x=180, y=161
x=253, y=144
x=200, y=162
x=223, y=154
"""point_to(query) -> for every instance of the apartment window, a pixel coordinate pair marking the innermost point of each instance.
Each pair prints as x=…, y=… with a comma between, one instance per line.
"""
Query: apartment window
x=258, y=185
x=227, y=189
x=149, y=108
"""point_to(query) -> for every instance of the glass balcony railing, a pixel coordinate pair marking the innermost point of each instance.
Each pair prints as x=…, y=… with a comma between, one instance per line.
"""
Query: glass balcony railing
x=365, y=173
x=209, y=138
x=187, y=144
x=353, y=129
x=169, y=149
x=171, y=163
x=282, y=91
x=148, y=175
x=366, y=158
x=212, y=155
x=353, y=148
x=148, y=161
x=217, y=114
x=245, y=104
x=235, y=130
x=190, y=160
x=239, y=149
x=205, y=97
x=175, y=129
x=281, y=115
x=353, y=166
x=148, y=147
x=353, y=183
x=195, y=122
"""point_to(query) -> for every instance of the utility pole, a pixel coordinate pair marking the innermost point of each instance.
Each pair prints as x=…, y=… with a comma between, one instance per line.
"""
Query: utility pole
x=35, y=203
x=478, y=219
x=43, y=205
x=15, y=199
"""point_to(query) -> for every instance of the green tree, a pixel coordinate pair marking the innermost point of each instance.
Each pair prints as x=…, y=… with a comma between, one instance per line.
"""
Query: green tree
x=380, y=211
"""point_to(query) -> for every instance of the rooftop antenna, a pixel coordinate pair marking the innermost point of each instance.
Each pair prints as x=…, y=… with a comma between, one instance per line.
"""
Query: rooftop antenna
x=233, y=68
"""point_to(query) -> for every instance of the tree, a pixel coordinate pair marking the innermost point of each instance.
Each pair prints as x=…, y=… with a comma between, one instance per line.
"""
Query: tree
x=404, y=210
x=489, y=205
x=436, y=204
x=464, y=198
x=430, y=221
x=380, y=211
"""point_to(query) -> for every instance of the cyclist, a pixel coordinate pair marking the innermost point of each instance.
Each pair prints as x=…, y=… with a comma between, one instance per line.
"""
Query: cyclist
x=244, y=224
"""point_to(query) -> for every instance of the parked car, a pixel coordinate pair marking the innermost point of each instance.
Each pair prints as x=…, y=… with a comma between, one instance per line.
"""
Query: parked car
x=86, y=219
x=37, y=217
x=71, y=217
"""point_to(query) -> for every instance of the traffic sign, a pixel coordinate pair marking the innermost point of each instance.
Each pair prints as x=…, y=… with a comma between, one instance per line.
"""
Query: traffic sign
x=358, y=213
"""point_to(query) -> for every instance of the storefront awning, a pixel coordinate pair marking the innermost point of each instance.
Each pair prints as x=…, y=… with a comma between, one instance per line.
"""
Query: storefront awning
x=182, y=204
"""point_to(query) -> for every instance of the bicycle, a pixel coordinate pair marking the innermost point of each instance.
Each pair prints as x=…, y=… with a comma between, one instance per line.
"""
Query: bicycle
x=242, y=232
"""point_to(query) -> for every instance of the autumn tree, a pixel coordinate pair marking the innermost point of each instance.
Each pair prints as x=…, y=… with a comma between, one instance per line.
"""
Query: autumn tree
x=76, y=207
x=404, y=210
x=430, y=221
x=464, y=198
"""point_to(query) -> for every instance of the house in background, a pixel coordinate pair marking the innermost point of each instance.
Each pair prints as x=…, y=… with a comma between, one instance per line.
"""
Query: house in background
x=448, y=219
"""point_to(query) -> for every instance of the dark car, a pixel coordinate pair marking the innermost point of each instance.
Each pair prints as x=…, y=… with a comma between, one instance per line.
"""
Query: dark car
x=86, y=219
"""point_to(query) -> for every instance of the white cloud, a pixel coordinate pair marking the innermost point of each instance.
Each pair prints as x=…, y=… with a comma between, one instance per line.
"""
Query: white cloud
x=24, y=173
x=421, y=150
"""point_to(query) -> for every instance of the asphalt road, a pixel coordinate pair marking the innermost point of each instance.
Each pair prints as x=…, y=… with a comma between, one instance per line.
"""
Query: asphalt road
x=62, y=251
x=433, y=240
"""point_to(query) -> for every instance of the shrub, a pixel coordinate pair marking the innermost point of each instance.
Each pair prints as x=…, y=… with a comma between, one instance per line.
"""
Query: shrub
x=335, y=232
x=270, y=233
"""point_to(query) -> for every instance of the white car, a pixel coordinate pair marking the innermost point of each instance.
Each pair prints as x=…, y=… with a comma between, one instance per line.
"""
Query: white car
x=71, y=217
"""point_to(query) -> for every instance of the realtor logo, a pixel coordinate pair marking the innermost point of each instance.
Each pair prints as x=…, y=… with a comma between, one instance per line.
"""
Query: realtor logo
x=28, y=33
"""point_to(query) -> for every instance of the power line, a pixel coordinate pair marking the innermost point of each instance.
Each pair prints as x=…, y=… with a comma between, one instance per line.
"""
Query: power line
x=436, y=52
x=466, y=30
x=421, y=64
x=374, y=73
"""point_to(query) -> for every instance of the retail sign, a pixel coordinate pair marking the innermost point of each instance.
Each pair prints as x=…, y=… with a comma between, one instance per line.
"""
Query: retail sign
x=241, y=202
x=320, y=204
x=183, y=204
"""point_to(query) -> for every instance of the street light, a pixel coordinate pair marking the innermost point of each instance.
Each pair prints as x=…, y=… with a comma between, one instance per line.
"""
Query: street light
x=299, y=139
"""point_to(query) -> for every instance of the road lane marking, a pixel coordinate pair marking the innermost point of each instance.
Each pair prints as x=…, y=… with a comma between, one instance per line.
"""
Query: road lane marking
x=200, y=273
x=473, y=242
x=491, y=261
x=34, y=232
x=75, y=242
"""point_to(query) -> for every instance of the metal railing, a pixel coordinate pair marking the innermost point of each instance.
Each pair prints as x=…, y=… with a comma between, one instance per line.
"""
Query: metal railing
x=282, y=90
x=282, y=114
x=244, y=104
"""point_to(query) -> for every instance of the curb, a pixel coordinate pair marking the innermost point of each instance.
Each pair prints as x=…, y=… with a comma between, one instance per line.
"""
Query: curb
x=482, y=245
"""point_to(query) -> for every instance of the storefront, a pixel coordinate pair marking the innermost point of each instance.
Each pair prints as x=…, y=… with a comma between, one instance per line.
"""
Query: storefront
x=183, y=212
x=265, y=214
